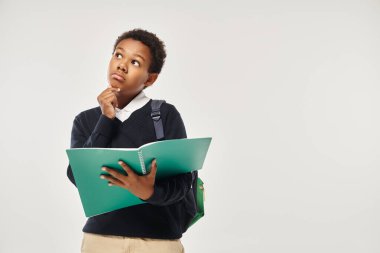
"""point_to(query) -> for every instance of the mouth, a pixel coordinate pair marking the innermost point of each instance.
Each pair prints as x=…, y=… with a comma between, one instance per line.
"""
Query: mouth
x=118, y=77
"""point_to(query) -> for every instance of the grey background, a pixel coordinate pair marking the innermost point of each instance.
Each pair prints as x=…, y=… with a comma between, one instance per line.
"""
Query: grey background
x=287, y=89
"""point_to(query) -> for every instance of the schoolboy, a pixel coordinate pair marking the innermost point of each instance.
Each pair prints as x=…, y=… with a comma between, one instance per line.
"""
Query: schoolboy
x=123, y=120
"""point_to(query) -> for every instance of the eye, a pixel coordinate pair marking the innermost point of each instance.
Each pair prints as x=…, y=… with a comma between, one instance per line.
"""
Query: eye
x=117, y=55
x=137, y=63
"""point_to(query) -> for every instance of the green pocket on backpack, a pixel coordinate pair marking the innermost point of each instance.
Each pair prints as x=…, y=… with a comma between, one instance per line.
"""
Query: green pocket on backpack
x=200, y=202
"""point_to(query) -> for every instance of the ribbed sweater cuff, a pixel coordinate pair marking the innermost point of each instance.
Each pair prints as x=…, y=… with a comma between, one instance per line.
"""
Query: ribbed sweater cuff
x=156, y=198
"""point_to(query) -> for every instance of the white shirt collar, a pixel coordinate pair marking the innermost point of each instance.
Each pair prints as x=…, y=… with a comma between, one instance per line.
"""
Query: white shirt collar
x=136, y=103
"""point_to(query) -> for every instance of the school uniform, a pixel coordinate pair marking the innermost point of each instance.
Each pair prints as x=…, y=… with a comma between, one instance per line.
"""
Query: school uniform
x=157, y=224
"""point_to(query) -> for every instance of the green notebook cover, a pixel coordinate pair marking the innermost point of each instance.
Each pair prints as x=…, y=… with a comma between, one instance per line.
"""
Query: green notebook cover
x=174, y=157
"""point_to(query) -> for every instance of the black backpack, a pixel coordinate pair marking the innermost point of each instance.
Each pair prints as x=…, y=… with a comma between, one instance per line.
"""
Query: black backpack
x=197, y=184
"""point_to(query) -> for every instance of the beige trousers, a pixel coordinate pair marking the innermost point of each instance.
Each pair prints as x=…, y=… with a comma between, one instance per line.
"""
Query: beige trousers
x=94, y=243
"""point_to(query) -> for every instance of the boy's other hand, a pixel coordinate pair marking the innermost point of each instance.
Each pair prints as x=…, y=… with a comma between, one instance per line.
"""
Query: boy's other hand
x=140, y=186
x=108, y=102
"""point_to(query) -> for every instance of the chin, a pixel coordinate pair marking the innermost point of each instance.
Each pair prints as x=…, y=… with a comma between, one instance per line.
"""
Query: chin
x=114, y=84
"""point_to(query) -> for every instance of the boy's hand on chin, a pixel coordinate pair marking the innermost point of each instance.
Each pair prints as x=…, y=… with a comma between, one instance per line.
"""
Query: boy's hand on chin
x=140, y=186
x=108, y=102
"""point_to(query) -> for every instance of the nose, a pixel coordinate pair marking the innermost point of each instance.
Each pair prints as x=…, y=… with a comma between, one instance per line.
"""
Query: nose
x=122, y=67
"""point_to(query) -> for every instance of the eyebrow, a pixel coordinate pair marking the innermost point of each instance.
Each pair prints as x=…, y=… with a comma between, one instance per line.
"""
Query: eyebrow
x=139, y=55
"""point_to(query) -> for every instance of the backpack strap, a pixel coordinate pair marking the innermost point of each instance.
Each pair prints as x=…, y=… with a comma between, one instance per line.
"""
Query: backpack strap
x=156, y=117
x=159, y=128
x=197, y=184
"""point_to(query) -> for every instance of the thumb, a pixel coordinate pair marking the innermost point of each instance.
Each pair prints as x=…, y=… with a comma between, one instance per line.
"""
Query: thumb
x=115, y=103
x=153, y=170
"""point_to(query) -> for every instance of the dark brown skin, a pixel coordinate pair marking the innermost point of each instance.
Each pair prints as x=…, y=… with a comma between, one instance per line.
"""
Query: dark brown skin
x=140, y=186
x=134, y=70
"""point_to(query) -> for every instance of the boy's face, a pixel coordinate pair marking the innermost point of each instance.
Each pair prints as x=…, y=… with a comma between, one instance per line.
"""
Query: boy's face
x=128, y=67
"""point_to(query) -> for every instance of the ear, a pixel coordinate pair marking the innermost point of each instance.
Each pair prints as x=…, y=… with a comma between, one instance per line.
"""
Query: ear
x=151, y=79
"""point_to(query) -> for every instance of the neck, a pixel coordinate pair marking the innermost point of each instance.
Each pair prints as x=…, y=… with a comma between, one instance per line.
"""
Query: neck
x=124, y=99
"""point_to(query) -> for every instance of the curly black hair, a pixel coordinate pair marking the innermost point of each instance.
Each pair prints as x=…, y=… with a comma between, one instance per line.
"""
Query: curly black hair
x=156, y=46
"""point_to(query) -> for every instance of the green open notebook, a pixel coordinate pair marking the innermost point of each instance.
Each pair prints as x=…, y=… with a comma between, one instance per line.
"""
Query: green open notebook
x=173, y=157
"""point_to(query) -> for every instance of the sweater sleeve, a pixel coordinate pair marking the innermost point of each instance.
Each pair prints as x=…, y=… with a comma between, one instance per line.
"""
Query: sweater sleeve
x=172, y=189
x=100, y=136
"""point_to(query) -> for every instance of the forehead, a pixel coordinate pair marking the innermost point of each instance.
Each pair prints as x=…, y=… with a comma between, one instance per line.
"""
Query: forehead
x=134, y=47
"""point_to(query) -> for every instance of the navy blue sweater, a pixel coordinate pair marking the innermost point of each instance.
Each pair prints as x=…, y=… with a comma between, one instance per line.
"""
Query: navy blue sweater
x=166, y=212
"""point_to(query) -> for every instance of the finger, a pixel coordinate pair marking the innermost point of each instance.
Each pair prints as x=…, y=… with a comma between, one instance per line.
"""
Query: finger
x=115, y=102
x=114, y=173
x=110, y=88
x=111, y=180
x=106, y=99
x=112, y=99
x=127, y=169
x=153, y=170
x=109, y=91
x=108, y=96
x=113, y=90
